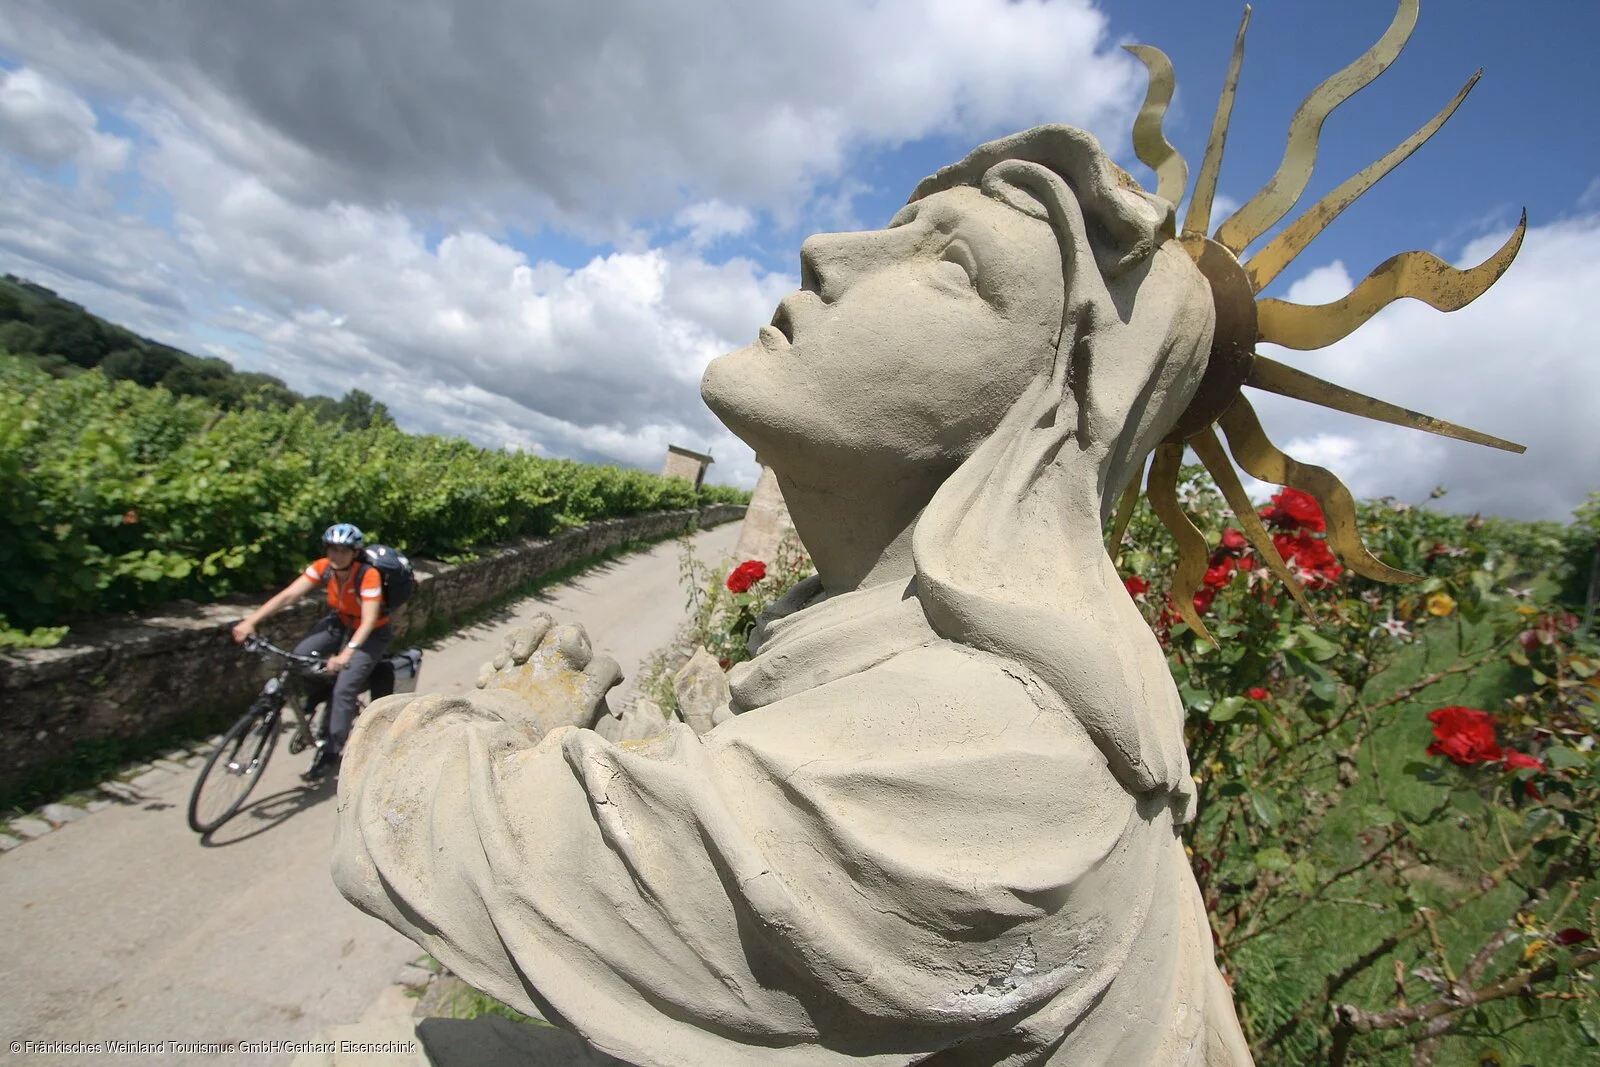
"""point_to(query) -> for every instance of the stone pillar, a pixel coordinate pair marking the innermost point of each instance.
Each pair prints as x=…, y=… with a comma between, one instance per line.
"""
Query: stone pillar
x=765, y=522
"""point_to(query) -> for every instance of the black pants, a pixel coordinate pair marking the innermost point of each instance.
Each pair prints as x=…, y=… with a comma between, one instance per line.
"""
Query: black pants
x=327, y=638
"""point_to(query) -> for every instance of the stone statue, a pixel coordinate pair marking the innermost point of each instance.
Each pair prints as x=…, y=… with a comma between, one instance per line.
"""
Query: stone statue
x=937, y=821
x=941, y=825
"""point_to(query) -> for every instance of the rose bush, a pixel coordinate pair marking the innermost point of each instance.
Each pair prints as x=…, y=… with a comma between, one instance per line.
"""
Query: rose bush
x=1396, y=801
x=1395, y=831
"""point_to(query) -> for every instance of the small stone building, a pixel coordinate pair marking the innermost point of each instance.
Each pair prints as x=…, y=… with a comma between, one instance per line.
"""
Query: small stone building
x=686, y=464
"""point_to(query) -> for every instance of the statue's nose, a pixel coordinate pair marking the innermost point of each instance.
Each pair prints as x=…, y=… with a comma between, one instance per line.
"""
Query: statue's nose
x=830, y=263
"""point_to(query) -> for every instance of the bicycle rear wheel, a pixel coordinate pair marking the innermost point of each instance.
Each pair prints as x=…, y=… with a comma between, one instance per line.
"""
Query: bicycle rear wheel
x=233, y=769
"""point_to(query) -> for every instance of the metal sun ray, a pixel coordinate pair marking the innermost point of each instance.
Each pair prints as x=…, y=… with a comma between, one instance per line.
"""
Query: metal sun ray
x=1150, y=143
x=1419, y=275
x=1162, y=490
x=1284, y=380
x=1119, y=525
x=1209, y=449
x=1268, y=263
x=1198, y=218
x=1274, y=199
x=1260, y=458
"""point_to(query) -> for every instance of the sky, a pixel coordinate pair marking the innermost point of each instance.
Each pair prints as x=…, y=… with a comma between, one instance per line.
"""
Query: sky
x=533, y=223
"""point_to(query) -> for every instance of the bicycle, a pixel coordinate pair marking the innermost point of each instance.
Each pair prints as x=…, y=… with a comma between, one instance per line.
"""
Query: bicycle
x=240, y=758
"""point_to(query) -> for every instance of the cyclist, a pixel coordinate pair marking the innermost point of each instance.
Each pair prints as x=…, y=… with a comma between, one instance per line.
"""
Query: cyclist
x=353, y=636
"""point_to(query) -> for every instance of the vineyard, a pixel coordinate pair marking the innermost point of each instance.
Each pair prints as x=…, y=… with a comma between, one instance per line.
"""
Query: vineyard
x=119, y=497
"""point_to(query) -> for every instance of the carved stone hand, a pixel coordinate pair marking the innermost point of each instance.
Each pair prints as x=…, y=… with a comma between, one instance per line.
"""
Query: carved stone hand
x=555, y=672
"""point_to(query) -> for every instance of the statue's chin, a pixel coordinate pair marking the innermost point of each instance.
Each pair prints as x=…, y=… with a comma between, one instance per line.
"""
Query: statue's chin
x=738, y=392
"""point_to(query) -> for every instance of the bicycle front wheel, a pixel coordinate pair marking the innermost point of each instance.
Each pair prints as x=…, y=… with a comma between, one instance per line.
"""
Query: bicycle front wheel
x=233, y=769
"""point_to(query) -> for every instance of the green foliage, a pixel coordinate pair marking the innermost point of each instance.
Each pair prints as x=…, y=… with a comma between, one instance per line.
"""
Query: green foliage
x=1372, y=901
x=119, y=497
x=721, y=618
x=723, y=494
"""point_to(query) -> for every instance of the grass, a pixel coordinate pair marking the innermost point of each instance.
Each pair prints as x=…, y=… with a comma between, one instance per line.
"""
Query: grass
x=1284, y=969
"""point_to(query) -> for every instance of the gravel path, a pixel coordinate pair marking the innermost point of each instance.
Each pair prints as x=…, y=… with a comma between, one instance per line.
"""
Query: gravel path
x=121, y=925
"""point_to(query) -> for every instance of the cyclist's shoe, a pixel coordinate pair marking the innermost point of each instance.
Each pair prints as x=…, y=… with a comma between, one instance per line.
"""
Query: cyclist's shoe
x=325, y=764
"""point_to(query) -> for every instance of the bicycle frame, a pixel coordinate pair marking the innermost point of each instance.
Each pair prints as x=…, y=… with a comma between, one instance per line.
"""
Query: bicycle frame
x=286, y=690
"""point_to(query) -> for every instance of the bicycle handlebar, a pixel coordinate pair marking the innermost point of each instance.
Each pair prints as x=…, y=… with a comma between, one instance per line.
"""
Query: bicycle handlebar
x=259, y=644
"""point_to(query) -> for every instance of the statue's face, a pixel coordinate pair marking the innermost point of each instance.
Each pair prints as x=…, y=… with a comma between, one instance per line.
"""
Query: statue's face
x=904, y=346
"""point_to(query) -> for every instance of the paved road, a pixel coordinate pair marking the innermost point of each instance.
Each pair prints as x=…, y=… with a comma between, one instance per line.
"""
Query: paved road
x=122, y=925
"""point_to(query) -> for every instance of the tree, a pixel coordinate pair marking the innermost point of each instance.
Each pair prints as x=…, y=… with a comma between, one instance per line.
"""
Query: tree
x=357, y=410
x=71, y=332
x=18, y=337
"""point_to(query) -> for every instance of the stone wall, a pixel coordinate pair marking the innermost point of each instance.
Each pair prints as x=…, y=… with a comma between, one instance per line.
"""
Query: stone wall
x=128, y=676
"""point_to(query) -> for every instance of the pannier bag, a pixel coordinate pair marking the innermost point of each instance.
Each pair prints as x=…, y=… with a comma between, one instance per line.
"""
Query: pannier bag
x=397, y=673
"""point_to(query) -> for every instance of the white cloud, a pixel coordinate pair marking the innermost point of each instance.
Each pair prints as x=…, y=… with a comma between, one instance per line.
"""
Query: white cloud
x=593, y=118
x=1322, y=285
x=46, y=122
x=1517, y=363
x=711, y=220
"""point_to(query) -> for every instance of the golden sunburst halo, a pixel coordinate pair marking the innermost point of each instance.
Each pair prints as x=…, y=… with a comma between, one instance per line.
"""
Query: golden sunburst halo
x=1243, y=320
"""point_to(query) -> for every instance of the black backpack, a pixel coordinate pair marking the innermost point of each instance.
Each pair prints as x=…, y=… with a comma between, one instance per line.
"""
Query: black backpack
x=394, y=570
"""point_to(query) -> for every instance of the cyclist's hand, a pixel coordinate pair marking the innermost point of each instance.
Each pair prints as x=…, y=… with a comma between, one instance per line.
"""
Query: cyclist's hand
x=338, y=663
x=555, y=672
x=243, y=631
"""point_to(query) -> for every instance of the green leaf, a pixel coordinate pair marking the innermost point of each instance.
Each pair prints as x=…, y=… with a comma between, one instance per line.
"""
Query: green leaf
x=1562, y=758
x=1265, y=808
x=1376, y=815
x=1305, y=874
x=1273, y=859
x=1317, y=647
x=1226, y=708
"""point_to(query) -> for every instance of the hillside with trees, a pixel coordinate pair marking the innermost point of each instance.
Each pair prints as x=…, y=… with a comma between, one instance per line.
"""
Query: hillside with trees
x=64, y=339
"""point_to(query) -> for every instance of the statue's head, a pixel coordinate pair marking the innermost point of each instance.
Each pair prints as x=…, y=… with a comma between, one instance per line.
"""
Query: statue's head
x=1016, y=342
x=1033, y=268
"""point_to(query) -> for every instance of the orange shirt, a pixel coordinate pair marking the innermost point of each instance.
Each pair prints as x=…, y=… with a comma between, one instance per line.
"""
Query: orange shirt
x=343, y=596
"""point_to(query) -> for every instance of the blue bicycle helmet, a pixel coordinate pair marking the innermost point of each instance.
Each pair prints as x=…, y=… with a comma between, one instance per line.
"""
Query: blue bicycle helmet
x=344, y=533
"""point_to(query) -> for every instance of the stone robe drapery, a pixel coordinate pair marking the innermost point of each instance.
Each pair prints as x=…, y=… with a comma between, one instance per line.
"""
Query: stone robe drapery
x=903, y=851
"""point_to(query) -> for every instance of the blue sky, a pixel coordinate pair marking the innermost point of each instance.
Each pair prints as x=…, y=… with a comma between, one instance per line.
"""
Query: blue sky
x=533, y=225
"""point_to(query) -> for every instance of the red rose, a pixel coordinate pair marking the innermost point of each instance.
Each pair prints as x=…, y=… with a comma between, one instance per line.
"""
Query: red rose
x=746, y=574
x=1219, y=574
x=1571, y=936
x=1464, y=735
x=1294, y=510
x=1310, y=555
x=1136, y=586
x=1255, y=692
x=1203, y=599
x=1518, y=760
x=1234, y=541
